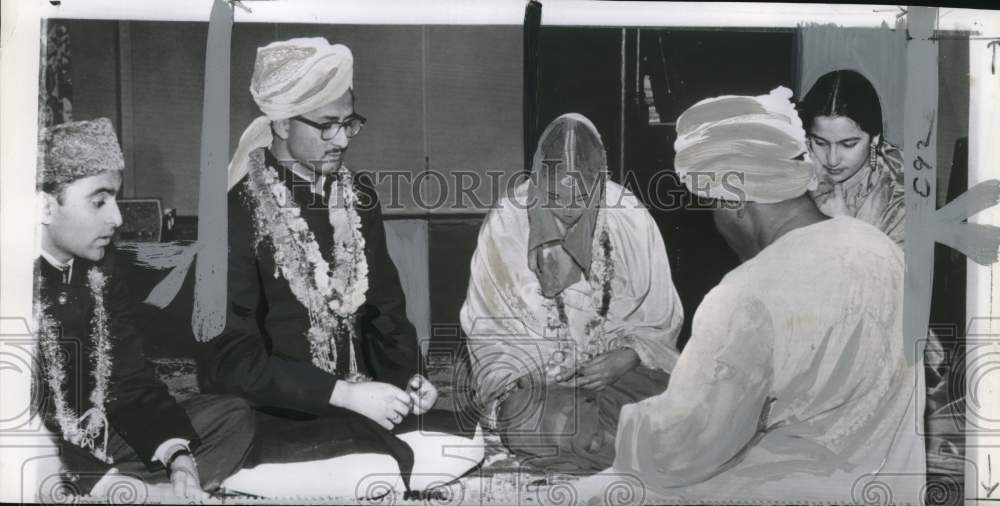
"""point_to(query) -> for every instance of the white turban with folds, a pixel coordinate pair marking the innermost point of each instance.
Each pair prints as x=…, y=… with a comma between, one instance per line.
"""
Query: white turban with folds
x=290, y=78
x=744, y=148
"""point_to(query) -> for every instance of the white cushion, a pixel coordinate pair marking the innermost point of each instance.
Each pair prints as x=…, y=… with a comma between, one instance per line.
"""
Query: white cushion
x=358, y=476
x=440, y=458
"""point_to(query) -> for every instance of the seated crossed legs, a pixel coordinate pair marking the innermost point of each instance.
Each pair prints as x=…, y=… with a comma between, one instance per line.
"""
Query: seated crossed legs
x=225, y=428
x=566, y=428
x=99, y=394
x=571, y=312
x=317, y=338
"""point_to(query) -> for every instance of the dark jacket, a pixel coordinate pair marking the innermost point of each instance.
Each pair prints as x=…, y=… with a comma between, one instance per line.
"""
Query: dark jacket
x=139, y=408
x=263, y=354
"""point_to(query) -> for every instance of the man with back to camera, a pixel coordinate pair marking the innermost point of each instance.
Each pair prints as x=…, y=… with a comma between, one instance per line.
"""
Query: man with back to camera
x=797, y=382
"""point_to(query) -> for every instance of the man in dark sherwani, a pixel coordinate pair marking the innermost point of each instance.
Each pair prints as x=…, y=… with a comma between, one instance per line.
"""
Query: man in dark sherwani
x=98, y=391
x=317, y=336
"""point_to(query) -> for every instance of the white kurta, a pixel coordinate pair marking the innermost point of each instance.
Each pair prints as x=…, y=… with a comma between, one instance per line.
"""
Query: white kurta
x=505, y=314
x=794, y=385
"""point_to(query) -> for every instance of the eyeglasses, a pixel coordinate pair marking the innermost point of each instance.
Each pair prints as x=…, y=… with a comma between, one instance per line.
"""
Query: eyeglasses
x=330, y=129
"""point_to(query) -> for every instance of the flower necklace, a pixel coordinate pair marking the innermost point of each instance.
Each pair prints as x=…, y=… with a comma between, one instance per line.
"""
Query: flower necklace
x=331, y=296
x=557, y=324
x=74, y=429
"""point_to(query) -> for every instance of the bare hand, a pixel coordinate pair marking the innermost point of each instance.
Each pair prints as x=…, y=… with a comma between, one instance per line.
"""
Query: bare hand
x=184, y=478
x=423, y=394
x=558, y=373
x=383, y=403
x=838, y=201
x=607, y=368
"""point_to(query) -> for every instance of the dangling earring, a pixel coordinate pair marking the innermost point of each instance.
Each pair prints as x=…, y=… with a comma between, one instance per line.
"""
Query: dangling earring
x=873, y=154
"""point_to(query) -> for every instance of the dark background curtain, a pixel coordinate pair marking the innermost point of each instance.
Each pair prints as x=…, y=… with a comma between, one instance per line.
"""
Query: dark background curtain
x=55, y=101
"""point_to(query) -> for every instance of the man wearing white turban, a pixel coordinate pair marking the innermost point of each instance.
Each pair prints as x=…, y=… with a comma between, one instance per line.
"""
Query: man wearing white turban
x=316, y=337
x=795, y=384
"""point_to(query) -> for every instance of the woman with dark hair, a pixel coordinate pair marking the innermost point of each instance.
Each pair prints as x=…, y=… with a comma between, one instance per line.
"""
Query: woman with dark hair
x=860, y=173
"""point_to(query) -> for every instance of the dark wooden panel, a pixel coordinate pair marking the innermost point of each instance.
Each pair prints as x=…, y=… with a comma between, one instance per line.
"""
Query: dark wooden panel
x=690, y=65
x=452, y=243
x=684, y=67
x=953, y=108
x=581, y=72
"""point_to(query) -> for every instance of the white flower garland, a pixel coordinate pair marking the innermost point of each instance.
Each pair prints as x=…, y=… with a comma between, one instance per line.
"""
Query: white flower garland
x=350, y=262
x=331, y=296
x=100, y=355
x=602, y=271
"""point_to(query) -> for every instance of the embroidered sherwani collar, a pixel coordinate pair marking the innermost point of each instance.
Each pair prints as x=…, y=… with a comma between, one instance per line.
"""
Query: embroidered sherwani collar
x=316, y=180
x=66, y=267
x=299, y=172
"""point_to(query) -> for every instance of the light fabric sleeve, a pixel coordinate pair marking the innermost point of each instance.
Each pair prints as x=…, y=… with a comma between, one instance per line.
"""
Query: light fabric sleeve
x=715, y=403
x=645, y=313
x=502, y=314
x=505, y=314
x=893, y=192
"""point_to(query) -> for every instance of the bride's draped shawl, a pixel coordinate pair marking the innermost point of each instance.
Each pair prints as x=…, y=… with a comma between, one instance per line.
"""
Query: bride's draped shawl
x=505, y=314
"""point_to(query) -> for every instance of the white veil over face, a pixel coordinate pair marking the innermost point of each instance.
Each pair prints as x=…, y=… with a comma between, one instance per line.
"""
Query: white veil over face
x=534, y=245
x=568, y=175
x=574, y=142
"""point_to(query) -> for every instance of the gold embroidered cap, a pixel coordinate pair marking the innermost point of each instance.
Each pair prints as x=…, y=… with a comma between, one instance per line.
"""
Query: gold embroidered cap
x=75, y=150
